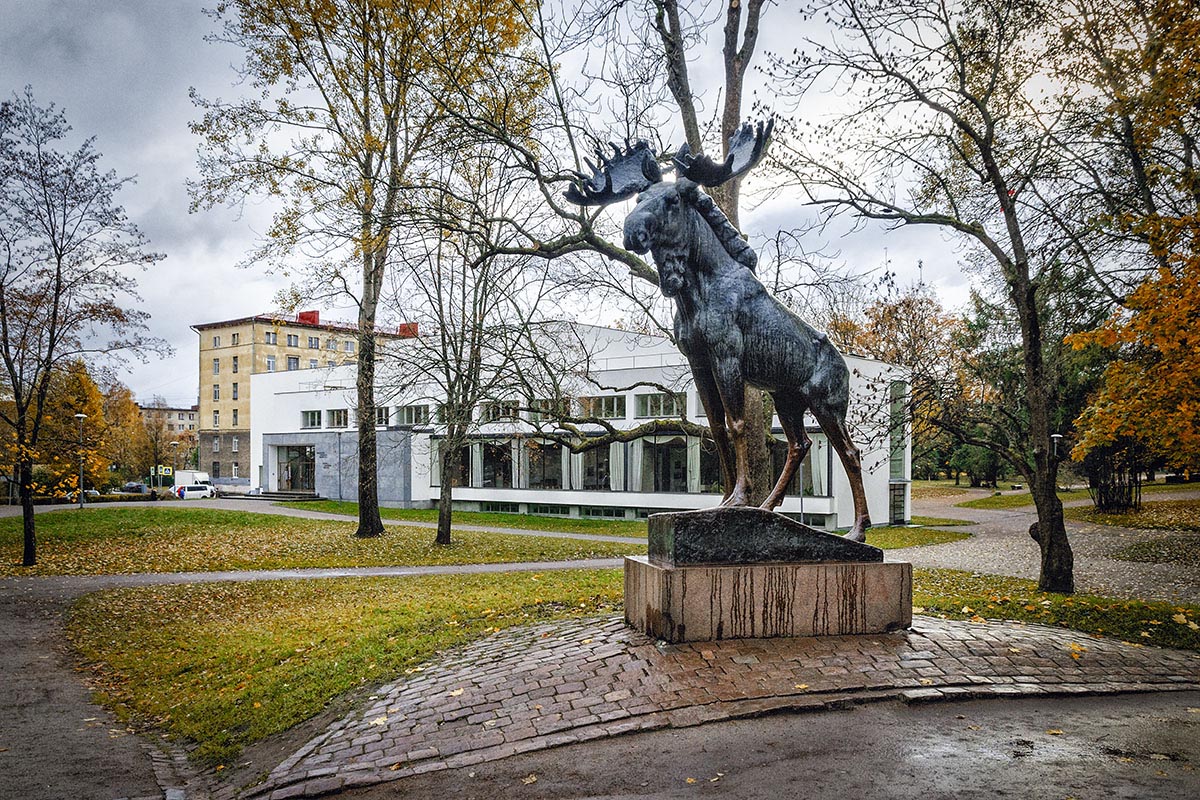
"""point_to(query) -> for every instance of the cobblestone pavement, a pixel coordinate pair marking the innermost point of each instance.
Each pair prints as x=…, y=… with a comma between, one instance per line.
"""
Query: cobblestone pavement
x=540, y=686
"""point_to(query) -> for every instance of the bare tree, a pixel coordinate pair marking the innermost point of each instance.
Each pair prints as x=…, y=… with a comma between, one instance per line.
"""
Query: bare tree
x=66, y=248
x=943, y=126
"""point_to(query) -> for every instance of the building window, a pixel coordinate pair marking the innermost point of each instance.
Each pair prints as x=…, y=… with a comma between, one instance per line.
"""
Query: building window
x=191, y=415
x=310, y=419
x=293, y=340
x=606, y=407
x=216, y=341
x=170, y=426
x=412, y=415
x=330, y=344
x=270, y=363
x=235, y=391
x=896, y=431
x=381, y=416
x=314, y=343
x=458, y=469
x=271, y=337
x=235, y=415
x=235, y=364
x=216, y=419
x=664, y=464
x=549, y=410
x=498, y=410
x=216, y=391
x=312, y=363
x=545, y=465
x=348, y=347
x=497, y=465
x=215, y=472
x=191, y=427
x=234, y=468
x=329, y=363
x=216, y=366
x=233, y=339
x=338, y=418
x=293, y=363
x=233, y=445
x=661, y=405
x=596, y=466
x=181, y=415
x=216, y=448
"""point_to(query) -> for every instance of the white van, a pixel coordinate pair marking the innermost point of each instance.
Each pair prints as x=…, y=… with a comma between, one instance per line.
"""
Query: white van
x=195, y=491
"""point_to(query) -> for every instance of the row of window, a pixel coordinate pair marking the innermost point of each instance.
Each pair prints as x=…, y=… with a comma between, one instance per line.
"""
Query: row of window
x=602, y=407
x=667, y=464
x=217, y=418
x=293, y=364
x=215, y=470
x=292, y=340
x=233, y=445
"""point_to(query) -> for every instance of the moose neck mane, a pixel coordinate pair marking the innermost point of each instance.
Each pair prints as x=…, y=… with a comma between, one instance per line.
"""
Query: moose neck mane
x=730, y=238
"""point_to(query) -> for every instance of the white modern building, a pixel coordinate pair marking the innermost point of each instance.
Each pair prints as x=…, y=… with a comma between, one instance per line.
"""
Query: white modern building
x=303, y=439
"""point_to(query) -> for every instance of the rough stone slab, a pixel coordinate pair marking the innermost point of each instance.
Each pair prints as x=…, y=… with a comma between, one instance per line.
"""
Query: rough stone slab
x=746, y=536
x=763, y=601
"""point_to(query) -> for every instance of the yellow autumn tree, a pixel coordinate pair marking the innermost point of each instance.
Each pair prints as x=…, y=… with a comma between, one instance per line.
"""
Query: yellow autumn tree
x=349, y=98
x=1141, y=58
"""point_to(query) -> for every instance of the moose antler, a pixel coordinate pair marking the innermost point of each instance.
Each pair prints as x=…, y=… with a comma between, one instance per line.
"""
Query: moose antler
x=615, y=178
x=746, y=147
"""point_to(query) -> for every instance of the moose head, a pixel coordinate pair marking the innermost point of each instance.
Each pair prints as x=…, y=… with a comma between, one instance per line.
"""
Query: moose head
x=662, y=222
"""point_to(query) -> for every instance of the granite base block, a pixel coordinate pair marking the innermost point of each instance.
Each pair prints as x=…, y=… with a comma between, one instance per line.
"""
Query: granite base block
x=759, y=601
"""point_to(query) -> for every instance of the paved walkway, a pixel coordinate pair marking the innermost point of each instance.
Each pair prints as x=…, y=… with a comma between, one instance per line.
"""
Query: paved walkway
x=1000, y=544
x=537, y=687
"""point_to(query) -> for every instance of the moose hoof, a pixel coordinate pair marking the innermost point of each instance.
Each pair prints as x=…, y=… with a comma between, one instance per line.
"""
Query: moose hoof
x=856, y=534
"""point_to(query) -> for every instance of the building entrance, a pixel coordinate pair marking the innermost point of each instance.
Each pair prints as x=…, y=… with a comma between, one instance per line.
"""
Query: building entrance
x=297, y=468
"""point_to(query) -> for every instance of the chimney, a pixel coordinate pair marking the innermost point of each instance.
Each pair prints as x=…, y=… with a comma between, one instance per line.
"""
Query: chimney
x=407, y=330
x=309, y=317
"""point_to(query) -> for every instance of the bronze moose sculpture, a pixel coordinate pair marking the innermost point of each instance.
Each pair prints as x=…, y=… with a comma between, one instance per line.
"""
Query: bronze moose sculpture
x=732, y=331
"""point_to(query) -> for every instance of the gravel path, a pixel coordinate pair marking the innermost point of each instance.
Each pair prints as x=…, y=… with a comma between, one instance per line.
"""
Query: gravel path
x=1000, y=544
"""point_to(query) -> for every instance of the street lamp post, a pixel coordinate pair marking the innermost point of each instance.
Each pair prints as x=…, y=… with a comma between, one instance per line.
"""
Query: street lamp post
x=174, y=460
x=81, y=417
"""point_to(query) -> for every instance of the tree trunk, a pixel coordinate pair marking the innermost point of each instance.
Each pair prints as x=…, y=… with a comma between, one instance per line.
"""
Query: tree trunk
x=25, y=489
x=369, y=522
x=446, y=495
x=1058, y=562
x=758, y=426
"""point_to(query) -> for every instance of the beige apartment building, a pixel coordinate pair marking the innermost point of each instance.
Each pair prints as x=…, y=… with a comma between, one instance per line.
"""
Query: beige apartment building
x=233, y=350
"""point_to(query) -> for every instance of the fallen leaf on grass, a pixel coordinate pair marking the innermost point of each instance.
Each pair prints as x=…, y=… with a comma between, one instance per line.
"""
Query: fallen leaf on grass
x=530, y=778
x=1180, y=618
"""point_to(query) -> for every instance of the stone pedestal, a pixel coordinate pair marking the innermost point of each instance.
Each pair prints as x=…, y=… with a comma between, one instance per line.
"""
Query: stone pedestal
x=734, y=573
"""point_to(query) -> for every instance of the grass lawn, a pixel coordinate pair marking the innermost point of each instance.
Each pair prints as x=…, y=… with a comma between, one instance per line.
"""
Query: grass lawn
x=919, y=520
x=127, y=540
x=1172, y=515
x=531, y=522
x=225, y=665
x=954, y=594
x=895, y=538
x=1020, y=499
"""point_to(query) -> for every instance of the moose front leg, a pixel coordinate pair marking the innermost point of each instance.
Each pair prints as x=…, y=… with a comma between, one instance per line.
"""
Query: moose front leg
x=714, y=410
x=732, y=389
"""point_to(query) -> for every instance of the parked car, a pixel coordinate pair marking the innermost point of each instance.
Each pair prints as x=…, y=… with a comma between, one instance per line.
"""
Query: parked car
x=134, y=487
x=88, y=494
x=195, y=491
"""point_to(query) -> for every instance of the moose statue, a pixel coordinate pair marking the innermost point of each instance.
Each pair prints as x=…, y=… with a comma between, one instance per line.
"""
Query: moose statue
x=732, y=331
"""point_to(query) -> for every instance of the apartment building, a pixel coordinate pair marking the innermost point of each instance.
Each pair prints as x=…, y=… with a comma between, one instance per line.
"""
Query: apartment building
x=174, y=420
x=233, y=350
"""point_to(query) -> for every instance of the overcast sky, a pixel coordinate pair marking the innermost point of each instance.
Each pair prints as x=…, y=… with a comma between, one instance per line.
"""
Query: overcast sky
x=121, y=69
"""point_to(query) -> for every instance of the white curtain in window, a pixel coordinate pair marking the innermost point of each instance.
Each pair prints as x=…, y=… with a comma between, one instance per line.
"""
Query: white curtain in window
x=693, y=464
x=572, y=469
x=819, y=456
x=475, y=468
x=635, y=465
x=616, y=466
x=435, y=462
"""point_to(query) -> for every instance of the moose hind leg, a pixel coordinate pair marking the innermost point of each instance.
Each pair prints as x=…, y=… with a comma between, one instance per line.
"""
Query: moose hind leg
x=834, y=425
x=791, y=417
